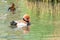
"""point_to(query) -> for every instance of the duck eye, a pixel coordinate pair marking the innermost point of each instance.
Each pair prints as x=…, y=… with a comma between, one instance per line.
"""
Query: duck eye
x=27, y=18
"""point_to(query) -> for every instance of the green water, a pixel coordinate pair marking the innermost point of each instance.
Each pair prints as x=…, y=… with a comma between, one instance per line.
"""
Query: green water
x=41, y=25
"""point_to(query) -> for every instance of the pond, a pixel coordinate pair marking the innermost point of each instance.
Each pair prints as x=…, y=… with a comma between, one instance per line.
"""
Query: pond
x=42, y=22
